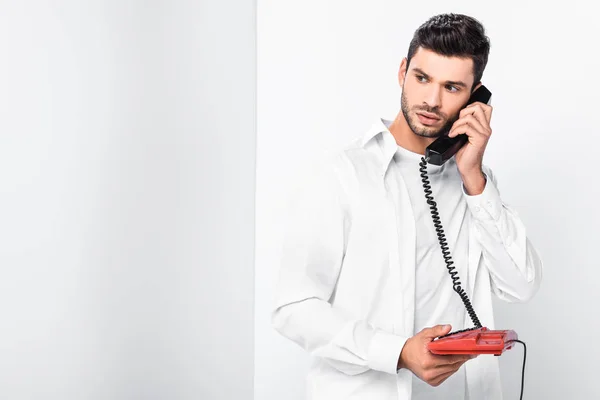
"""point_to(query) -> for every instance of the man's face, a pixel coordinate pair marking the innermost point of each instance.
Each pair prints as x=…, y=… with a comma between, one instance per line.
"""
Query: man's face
x=434, y=90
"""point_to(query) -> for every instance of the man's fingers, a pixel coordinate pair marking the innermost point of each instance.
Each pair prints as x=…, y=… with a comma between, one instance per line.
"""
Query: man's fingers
x=437, y=375
x=468, y=121
x=482, y=112
x=441, y=378
x=435, y=331
x=450, y=359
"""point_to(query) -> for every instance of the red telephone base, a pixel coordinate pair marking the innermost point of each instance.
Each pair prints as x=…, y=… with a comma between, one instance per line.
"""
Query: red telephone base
x=475, y=341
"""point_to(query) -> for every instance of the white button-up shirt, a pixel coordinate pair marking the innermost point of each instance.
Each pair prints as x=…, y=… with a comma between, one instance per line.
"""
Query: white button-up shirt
x=346, y=289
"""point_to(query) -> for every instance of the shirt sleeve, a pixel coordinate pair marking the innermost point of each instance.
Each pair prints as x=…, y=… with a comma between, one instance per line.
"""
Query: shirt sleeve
x=514, y=263
x=313, y=251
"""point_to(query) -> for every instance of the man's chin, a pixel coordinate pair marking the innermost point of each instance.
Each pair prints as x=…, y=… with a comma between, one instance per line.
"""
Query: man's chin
x=427, y=134
x=425, y=131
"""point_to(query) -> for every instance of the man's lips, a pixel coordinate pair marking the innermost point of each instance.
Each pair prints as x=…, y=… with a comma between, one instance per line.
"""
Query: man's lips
x=427, y=118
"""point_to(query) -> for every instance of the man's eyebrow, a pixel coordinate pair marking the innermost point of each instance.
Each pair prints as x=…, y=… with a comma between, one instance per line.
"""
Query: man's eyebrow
x=454, y=83
x=420, y=71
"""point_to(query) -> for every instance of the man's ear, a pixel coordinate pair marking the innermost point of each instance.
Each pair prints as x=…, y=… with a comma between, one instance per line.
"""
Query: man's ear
x=476, y=86
x=402, y=71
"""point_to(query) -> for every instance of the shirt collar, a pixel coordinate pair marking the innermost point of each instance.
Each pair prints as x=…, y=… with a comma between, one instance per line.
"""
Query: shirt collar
x=381, y=139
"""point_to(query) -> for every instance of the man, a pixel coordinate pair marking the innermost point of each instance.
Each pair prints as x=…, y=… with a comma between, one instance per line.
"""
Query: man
x=363, y=283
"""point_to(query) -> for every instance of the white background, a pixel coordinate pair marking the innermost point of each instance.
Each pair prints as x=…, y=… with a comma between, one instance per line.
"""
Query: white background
x=127, y=163
x=127, y=152
x=327, y=69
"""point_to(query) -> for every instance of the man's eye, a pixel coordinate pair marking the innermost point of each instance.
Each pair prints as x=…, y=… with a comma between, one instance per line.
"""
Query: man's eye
x=421, y=78
x=451, y=88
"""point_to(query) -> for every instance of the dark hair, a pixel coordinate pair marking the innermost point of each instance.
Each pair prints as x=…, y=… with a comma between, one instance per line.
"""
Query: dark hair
x=453, y=35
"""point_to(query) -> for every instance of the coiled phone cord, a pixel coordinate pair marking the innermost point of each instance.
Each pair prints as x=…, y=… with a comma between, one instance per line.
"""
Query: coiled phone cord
x=447, y=257
x=451, y=269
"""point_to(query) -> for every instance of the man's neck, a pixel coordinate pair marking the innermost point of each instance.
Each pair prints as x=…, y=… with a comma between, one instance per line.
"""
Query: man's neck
x=406, y=138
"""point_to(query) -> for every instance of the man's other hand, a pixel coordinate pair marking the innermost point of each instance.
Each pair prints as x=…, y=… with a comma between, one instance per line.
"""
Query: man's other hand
x=430, y=368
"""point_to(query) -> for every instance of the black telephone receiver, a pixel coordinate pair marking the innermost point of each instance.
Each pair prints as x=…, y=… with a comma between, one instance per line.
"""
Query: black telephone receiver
x=445, y=147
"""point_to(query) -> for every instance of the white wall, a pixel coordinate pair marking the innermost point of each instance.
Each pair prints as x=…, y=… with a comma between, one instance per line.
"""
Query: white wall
x=326, y=69
x=127, y=159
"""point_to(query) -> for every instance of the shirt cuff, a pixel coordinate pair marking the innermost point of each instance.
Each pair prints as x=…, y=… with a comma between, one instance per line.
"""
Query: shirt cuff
x=487, y=205
x=384, y=351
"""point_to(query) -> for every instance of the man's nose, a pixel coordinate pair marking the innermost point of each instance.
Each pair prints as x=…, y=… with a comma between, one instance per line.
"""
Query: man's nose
x=433, y=97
